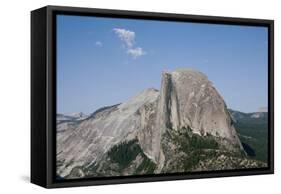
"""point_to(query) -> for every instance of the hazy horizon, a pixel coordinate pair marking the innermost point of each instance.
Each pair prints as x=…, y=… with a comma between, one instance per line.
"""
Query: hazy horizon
x=104, y=61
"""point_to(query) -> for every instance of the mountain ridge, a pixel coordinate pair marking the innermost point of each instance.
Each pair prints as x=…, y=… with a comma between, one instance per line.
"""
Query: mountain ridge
x=187, y=108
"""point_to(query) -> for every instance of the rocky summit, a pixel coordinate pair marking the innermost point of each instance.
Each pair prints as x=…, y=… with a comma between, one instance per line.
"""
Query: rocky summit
x=180, y=128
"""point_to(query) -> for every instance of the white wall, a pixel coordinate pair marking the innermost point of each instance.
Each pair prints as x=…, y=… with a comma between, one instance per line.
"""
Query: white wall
x=15, y=94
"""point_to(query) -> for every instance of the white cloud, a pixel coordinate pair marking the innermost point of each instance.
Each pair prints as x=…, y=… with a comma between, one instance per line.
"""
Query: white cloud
x=136, y=52
x=128, y=39
x=126, y=36
x=99, y=43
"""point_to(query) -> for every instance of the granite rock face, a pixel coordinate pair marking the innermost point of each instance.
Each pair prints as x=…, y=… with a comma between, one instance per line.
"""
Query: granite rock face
x=91, y=138
x=187, y=99
x=190, y=100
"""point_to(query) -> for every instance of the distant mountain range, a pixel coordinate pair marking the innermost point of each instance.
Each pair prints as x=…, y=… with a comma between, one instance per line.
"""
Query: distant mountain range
x=184, y=127
x=71, y=117
x=252, y=130
x=237, y=115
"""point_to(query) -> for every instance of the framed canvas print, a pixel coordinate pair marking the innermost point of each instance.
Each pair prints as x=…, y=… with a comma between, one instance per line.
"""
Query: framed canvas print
x=126, y=96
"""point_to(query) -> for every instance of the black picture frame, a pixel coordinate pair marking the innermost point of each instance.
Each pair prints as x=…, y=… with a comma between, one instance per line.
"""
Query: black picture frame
x=43, y=94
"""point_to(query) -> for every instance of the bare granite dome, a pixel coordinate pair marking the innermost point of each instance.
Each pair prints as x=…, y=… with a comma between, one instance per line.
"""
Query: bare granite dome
x=189, y=99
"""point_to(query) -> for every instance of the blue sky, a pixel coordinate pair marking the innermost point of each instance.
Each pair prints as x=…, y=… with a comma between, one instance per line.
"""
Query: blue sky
x=104, y=61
